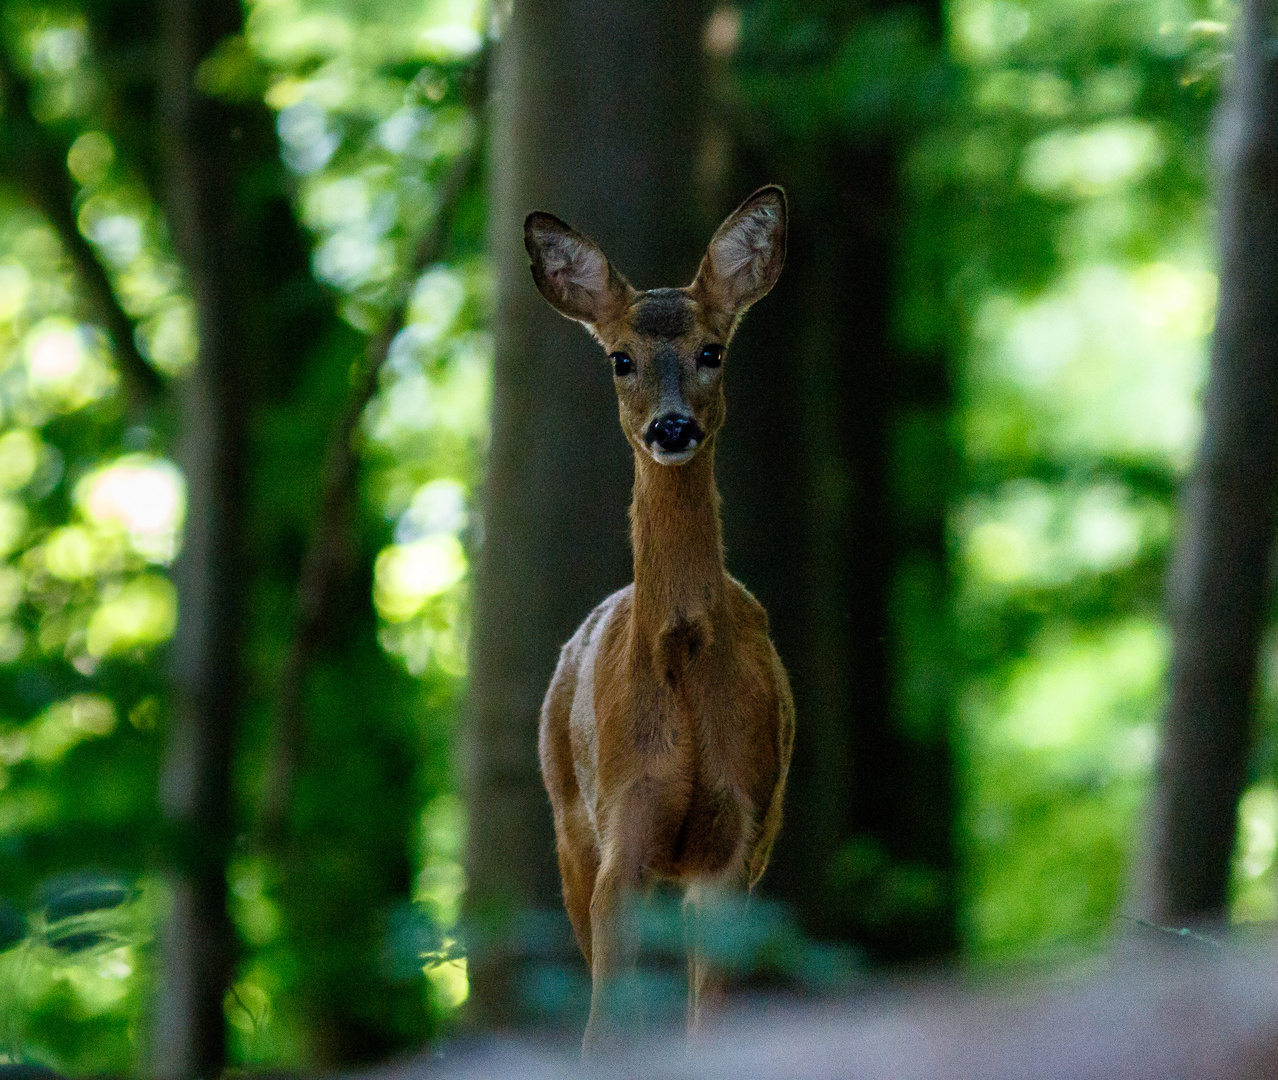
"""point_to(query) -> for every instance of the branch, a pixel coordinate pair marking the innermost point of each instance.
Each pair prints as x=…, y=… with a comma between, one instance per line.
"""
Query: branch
x=36, y=163
x=328, y=560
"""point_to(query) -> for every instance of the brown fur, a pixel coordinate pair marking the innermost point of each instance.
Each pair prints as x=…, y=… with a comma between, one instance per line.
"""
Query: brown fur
x=693, y=718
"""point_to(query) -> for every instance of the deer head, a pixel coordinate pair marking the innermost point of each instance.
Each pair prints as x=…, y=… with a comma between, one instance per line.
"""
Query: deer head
x=667, y=346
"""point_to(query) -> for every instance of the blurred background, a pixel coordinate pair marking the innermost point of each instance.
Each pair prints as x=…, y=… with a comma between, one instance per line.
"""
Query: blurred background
x=303, y=486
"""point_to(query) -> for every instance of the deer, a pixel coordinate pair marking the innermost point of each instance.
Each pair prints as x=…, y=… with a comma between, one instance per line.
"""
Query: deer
x=666, y=732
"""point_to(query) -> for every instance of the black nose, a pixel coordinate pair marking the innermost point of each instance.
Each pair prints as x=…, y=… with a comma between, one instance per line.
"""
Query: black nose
x=673, y=433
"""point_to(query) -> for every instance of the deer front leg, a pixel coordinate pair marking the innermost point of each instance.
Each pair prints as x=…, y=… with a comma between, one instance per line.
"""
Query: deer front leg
x=707, y=904
x=614, y=952
x=614, y=939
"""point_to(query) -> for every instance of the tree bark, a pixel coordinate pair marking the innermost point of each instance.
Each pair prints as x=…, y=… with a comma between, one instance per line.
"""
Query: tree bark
x=596, y=119
x=827, y=519
x=1218, y=585
x=198, y=945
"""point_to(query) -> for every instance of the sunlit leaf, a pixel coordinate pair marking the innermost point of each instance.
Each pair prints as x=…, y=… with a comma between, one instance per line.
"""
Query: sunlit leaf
x=140, y=613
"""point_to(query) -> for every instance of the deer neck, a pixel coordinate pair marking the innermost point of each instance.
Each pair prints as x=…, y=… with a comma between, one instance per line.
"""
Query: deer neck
x=680, y=583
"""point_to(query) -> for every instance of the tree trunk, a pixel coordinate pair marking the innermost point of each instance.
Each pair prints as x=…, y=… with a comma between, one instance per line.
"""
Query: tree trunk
x=1218, y=585
x=197, y=960
x=834, y=515
x=596, y=119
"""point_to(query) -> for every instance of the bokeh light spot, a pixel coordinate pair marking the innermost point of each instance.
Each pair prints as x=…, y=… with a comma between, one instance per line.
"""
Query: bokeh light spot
x=138, y=614
x=19, y=458
x=143, y=495
x=90, y=156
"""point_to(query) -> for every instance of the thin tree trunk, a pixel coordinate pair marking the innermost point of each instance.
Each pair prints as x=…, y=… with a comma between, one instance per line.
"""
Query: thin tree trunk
x=596, y=119
x=198, y=949
x=1218, y=585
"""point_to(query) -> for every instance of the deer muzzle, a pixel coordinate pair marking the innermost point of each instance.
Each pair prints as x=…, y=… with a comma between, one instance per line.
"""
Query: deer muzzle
x=672, y=438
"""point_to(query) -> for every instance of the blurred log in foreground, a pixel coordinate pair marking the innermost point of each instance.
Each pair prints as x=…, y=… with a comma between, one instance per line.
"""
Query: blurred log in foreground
x=1183, y=1011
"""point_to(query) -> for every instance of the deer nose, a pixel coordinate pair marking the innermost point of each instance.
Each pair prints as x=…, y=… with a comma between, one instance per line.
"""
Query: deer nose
x=673, y=433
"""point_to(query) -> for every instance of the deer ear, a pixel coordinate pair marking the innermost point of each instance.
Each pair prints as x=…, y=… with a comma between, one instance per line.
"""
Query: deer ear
x=745, y=256
x=572, y=273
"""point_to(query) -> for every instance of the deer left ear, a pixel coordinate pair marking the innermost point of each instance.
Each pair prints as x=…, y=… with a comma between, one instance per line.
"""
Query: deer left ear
x=745, y=255
x=572, y=273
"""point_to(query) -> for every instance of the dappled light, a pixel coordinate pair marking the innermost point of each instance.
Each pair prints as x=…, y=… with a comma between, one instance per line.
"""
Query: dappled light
x=93, y=515
x=65, y=367
x=1098, y=365
x=406, y=576
x=144, y=496
x=1087, y=324
x=1091, y=162
x=1028, y=533
x=62, y=726
x=141, y=612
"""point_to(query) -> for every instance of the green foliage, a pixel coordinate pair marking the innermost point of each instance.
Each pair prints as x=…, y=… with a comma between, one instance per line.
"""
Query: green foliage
x=1056, y=250
x=371, y=107
x=1059, y=250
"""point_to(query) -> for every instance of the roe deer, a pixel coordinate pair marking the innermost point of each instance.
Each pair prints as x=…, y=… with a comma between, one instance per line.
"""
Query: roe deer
x=667, y=729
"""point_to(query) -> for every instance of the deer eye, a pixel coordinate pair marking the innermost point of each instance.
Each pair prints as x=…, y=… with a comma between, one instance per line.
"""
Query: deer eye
x=622, y=365
x=710, y=356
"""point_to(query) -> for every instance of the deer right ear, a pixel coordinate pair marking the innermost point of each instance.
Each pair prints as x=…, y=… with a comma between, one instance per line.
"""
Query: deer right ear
x=572, y=273
x=745, y=256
